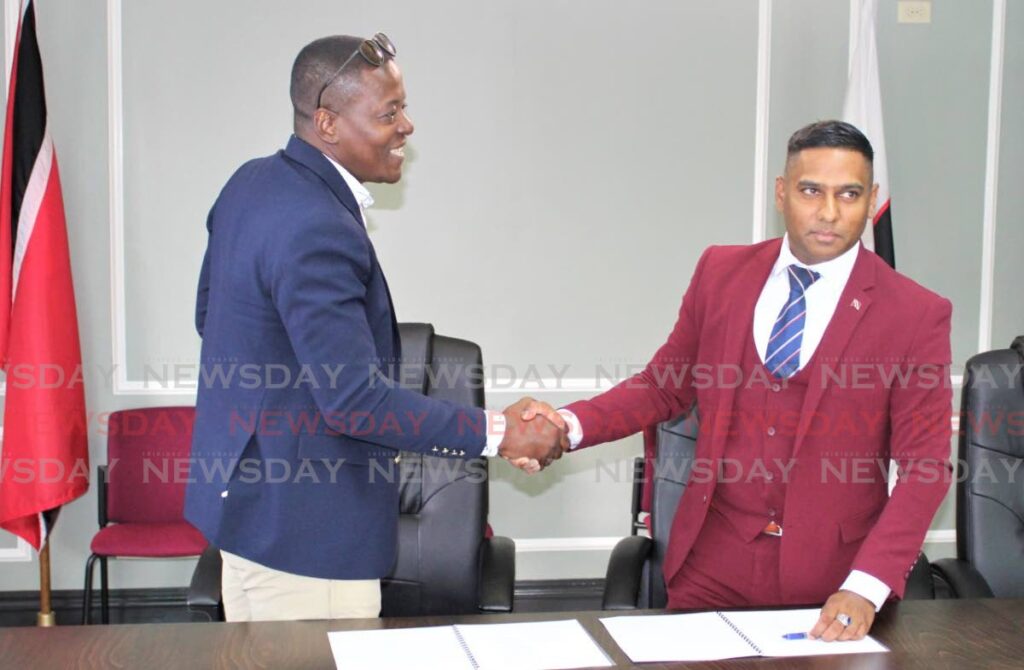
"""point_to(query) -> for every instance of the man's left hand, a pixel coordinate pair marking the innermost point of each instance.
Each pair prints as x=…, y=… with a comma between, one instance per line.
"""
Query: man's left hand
x=860, y=610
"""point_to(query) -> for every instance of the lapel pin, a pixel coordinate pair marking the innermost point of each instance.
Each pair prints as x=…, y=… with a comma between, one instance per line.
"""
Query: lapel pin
x=855, y=304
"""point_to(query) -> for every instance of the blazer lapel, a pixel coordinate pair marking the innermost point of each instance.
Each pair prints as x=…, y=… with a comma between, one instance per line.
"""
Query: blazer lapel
x=853, y=305
x=305, y=153
x=742, y=299
x=311, y=157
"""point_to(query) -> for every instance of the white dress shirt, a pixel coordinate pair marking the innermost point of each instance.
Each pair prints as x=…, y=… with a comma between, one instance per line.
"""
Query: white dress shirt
x=360, y=192
x=821, y=297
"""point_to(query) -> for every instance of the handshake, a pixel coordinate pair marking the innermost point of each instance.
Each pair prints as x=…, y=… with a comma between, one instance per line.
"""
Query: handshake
x=535, y=435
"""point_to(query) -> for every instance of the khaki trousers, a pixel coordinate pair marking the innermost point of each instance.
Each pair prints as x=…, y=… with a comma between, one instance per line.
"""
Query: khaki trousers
x=253, y=592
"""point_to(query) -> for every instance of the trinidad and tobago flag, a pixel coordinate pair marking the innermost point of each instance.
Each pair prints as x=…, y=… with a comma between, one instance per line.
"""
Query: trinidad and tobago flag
x=863, y=108
x=44, y=454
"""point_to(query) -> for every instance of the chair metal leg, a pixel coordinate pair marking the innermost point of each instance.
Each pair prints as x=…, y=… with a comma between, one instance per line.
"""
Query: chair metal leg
x=104, y=591
x=87, y=589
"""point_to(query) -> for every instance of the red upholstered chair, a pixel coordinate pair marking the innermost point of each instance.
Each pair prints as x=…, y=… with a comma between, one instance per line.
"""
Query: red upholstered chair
x=142, y=494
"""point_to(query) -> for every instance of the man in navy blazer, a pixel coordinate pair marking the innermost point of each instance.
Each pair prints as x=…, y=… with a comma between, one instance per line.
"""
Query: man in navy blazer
x=298, y=418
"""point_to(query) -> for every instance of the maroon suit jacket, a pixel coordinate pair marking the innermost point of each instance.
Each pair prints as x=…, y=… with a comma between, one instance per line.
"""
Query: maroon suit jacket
x=878, y=390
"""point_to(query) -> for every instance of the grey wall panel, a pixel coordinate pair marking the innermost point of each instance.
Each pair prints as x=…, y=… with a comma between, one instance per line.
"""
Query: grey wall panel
x=935, y=97
x=1008, y=304
x=200, y=97
x=808, y=79
x=566, y=149
x=935, y=100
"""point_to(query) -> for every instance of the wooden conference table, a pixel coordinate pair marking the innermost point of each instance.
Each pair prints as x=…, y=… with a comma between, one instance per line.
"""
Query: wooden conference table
x=921, y=634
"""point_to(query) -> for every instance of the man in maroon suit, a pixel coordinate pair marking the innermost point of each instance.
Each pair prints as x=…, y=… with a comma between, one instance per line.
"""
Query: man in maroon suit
x=813, y=365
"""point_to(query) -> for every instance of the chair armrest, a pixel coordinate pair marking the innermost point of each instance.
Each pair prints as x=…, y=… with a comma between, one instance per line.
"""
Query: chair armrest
x=963, y=578
x=638, y=496
x=497, y=574
x=625, y=566
x=921, y=582
x=204, y=591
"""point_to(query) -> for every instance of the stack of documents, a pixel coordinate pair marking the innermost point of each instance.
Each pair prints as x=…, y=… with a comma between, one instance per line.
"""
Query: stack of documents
x=711, y=636
x=547, y=645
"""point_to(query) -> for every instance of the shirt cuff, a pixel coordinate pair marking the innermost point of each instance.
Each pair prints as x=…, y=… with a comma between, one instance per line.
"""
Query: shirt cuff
x=868, y=587
x=575, y=428
x=495, y=432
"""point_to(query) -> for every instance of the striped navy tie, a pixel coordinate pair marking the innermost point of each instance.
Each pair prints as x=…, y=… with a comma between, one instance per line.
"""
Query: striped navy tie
x=783, y=355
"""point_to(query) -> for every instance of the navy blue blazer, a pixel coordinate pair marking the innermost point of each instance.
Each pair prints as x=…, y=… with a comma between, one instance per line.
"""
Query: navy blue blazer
x=298, y=422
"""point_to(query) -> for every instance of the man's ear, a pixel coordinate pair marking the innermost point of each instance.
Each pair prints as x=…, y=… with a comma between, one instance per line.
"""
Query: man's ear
x=874, y=201
x=780, y=190
x=324, y=125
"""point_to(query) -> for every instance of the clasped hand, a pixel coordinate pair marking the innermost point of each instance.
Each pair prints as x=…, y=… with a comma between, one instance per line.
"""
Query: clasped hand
x=536, y=435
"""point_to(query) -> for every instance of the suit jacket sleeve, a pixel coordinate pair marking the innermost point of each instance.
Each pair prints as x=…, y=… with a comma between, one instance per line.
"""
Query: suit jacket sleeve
x=663, y=390
x=919, y=416
x=318, y=284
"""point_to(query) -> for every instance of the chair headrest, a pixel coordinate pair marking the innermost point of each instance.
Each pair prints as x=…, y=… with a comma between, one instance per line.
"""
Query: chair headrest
x=993, y=400
x=1018, y=346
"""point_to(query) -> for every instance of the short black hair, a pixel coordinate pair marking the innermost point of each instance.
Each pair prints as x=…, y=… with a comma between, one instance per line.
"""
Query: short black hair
x=832, y=133
x=317, y=63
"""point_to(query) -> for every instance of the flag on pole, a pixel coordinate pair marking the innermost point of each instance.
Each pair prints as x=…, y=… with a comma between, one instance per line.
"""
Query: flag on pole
x=863, y=109
x=44, y=450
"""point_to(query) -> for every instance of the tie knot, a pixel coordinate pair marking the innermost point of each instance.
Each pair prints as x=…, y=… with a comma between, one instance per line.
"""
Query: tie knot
x=800, y=278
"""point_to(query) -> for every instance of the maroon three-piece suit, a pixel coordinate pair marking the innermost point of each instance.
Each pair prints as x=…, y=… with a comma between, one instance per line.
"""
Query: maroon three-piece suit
x=808, y=453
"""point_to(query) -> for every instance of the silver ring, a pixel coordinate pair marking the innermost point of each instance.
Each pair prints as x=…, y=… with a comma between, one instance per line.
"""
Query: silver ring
x=843, y=619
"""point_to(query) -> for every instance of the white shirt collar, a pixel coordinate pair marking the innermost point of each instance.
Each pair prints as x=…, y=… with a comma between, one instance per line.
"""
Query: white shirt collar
x=362, y=195
x=839, y=268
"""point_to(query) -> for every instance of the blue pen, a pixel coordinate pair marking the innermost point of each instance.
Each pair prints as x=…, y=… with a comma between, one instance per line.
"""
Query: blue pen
x=795, y=636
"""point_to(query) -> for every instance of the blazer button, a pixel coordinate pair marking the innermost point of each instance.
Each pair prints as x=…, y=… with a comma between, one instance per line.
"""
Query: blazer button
x=771, y=431
x=223, y=494
x=398, y=458
x=705, y=499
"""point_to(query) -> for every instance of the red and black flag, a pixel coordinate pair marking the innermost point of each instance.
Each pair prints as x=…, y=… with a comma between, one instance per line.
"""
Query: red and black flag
x=44, y=457
x=863, y=108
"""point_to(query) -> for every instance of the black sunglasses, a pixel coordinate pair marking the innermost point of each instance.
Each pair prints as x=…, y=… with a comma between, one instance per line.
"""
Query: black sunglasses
x=372, y=50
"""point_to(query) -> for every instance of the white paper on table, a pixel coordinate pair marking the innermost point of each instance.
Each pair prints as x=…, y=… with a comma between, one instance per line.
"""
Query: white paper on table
x=703, y=636
x=436, y=648
x=709, y=636
x=542, y=645
x=766, y=628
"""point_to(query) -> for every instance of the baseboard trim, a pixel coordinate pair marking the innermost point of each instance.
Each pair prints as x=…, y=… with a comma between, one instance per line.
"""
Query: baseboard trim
x=71, y=599
x=559, y=589
x=25, y=603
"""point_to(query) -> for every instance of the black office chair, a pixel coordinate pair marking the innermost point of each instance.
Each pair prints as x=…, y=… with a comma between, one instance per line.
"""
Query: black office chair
x=447, y=562
x=634, y=576
x=643, y=466
x=990, y=481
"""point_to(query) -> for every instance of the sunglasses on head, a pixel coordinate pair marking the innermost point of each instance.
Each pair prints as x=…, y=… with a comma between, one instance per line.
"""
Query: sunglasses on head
x=372, y=50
